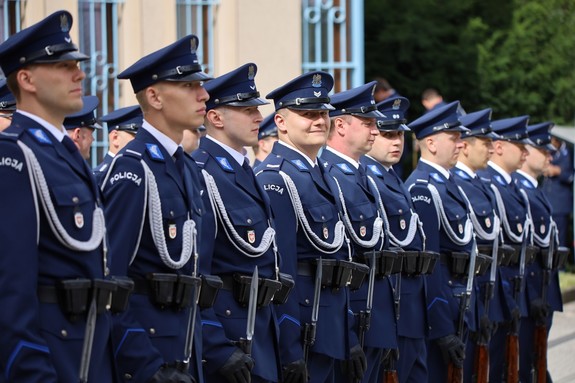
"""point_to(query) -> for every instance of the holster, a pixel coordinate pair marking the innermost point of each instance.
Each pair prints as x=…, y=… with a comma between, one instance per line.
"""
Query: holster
x=418, y=262
x=530, y=254
x=560, y=257
x=121, y=296
x=482, y=263
x=211, y=285
x=184, y=292
x=74, y=295
x=506, y=254
x=172, y=290
x=281, y=296
x=266, y=290
x=387, y=262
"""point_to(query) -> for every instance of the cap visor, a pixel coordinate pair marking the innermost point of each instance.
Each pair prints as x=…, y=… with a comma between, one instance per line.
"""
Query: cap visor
x=74, y=55
x=372, y=114
x=196, y=76
x=251, y=102
x=311, y=107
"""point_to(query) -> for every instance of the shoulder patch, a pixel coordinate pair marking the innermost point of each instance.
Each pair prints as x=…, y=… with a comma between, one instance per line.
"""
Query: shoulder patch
x=299, y=164
x=345, y=168
x=155, y=152
x=462, y=174
x=500, y=180
x=40, y=136
x=225, y=164
x=437, y=178
x=375, y=170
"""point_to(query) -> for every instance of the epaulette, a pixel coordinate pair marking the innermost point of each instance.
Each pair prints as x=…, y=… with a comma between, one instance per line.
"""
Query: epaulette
x=271, y=163
x=201, y=157
x=40, y=136
x=345, y=168
x=300, y=165
x=486, y=180
x=375, y=170
x=421, y=181
x=436, y=177
x=9, y=136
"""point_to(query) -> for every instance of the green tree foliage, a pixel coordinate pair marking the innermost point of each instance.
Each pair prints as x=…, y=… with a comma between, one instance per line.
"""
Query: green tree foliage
x=514, y=56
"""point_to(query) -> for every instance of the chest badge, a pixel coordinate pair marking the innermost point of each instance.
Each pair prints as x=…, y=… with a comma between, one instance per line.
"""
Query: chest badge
x=402, y=224
x=325, y=232
x=542, y=228
x=251, y=236
x=362, y=231
x=519, y=228
x=460, y=228
x=172, y=230
x=79, y=219
x=487, y=222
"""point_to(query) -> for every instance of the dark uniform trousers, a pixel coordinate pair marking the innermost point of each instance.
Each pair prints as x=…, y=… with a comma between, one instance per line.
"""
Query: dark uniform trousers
x=320, y=210
x=39, y=342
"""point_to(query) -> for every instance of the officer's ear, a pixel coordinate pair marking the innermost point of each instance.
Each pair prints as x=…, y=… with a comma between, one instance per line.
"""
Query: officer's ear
x=429, y=144
x=25, y=79
x=498, y=147
x=152, y=96
x=280, y=121
x=215, y=118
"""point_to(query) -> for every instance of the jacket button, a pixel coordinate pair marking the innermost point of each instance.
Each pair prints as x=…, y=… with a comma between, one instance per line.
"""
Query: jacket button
x=152, y=331
x=307, y=301
x=75, y=199
x=228, y=313
x=449, y=283
x=64, y=333
x=128, y=376
x=249, y=221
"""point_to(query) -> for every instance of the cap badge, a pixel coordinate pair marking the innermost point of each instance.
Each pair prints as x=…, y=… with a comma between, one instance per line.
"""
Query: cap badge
x=316, y=81
x=64, y=23
x=193, y=45
x=317, y=94
x=396, y=104
x=251, y=72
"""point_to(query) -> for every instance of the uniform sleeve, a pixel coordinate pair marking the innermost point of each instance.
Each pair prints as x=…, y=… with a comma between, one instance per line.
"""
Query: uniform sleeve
x=440, y=300
x=24, y=354
x=124, y=194
x=285, y=221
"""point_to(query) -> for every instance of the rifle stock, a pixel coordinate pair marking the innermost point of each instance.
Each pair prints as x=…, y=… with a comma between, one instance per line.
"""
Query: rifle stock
x=481, y=364
x=512, y=358
x=540, y=373
x=390, y=377
x=454, y=374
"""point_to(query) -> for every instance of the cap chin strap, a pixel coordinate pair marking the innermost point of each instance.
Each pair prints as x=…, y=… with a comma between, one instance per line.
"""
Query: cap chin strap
x=180, y=70
x=304, y=101
x=49, y=51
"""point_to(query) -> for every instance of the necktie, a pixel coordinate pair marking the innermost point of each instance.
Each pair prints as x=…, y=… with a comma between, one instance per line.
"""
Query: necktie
x=248, y=168
x=180, y=161
x=362, y=176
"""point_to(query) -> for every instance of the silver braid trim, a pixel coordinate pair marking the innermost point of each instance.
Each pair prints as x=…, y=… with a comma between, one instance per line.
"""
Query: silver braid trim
x=157, y=228
x=233, y=236
x=413, y=222
x=503, y=214
x=316, y=242
x=377, y=225
x=467, y=232
x=38, y=179
x=482, y=234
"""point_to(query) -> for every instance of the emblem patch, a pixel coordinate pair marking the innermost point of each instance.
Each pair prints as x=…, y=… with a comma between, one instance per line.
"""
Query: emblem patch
x=79, y=219
x=542, y=228
x=520, y=228
x=172, y=230
x=362, y=231
x=402, y=224
x=251, y=236
x=460, y=228
x=487, y=222
x=316, y=80
x=325, y=232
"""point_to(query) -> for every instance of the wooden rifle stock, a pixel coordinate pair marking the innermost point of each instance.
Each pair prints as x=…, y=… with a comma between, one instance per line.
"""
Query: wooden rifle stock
x=454, y=374
x=512, y=358
x=481, y=364
x=390, y=376
x=540, y=374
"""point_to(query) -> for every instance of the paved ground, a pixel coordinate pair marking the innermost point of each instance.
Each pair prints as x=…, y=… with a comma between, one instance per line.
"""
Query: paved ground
x=561, y=347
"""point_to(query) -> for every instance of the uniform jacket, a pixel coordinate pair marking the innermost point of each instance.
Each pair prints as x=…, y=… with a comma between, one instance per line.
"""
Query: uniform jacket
x=442, y=305
x=333, y=337
x=560, y=187
x=483, y=204
x=361, y=205
x=541, y=211
x=412, y=321
x=515, y=213
x=135, y=253
x=39, y=343
x=247, y=206
x=102, y=168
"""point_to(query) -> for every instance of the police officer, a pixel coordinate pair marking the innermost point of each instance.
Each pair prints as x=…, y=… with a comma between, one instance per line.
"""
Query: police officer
x=541, y=307
x=473, y=156
x=154, y=186
x=242, y=230
x=122, y=126
x=81, y=125
x=404, y=232
x=53, y=226
x=351, y=135
x=267, y=135
x=509, y=153
x=7, y=105
x=308, y=213
x=443, y=209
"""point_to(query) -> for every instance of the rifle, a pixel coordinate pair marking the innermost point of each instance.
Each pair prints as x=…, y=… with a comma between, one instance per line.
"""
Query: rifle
x=246, y=343
x=195, y=283
x=454, y=373
x=539, y=367
x=309, y=329
x=389, y=371
x=511, y=371
x=365, y=315
x=481, y=362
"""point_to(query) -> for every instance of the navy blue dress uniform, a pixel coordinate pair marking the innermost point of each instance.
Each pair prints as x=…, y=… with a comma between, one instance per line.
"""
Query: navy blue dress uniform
x=364, y=228
x=308, y=214
x=561, y=188
x=404, y=232
x=268, y=128
x=154, y=186
x=127, y=119
x=444, y=210
x=241, y=232
x=54, y=235
x=486, y=225
x=512, y=211
x=540, y=309
x=85, y=118
x=7, y=100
